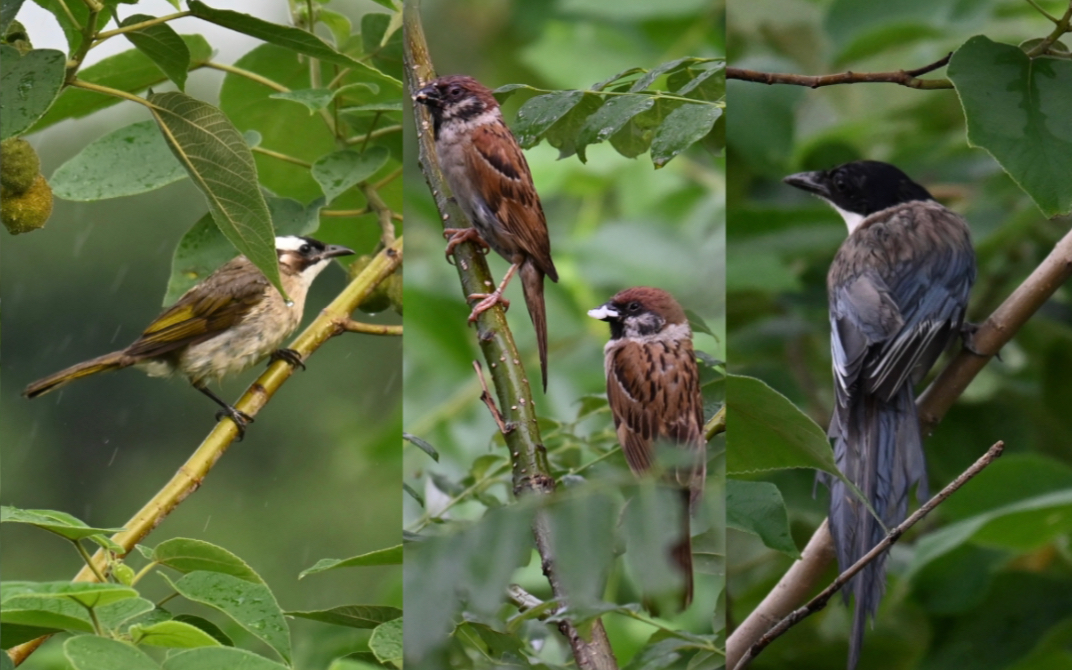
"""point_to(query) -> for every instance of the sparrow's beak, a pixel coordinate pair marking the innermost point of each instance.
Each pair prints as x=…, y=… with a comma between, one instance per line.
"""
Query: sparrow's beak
x=428, y=96
x=812, y=182
x=333, y=250
x=605, y=312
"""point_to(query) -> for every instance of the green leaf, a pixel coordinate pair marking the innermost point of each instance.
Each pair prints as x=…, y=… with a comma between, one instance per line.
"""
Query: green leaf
x=338, y=24
x=315, y=99
x=28, y=86
x=386, y=642
x=1014, y=106
x=199, y=253
x=60, y=523
x=215, y=658
x=174, y=634
x=375, y=29
x=186, y=555
x=23, y=608
x=634, y=138
x=288, y=37
x=208, y=627
x=683, y=127
x=389, y=556
x=131, y=160
x=340, y=170
x=249, y=604
x=422, y=445
x=352, y=616
x=1022, y=526
x=610, y=118
x=114, y=616
x=648, y=79
x=758, y=508
x=85, y=593
x=163, y=46
x=765, y=431
x=8, y=10
x=89, y=652
x=130, y=71
x=541, y=112
x=72, y=30
x=582, y=538
x=221, y=165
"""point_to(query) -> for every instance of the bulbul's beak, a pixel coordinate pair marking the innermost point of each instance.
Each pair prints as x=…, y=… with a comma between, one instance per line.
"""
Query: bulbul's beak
x=333, y=250
x=428, y=96
x=812, y=182
x=605, y=312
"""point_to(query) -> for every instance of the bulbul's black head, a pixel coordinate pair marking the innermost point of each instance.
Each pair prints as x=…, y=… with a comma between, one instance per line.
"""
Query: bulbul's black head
x=860, y=187
x=297, y=254
x=456, y=97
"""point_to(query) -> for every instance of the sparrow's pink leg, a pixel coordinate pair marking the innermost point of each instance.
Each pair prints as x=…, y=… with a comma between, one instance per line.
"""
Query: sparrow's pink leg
x=456, y=236
x=488, y=300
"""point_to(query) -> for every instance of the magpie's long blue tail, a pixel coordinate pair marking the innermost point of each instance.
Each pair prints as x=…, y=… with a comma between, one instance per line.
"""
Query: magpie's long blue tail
x=880, y=450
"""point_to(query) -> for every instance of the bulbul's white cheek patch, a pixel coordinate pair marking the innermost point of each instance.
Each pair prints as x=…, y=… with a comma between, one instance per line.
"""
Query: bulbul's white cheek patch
x=602, y=313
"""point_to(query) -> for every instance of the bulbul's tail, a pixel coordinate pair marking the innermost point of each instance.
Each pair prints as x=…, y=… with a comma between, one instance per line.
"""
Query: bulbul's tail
x=881, y=452
x=105, y=363
x=532, y=285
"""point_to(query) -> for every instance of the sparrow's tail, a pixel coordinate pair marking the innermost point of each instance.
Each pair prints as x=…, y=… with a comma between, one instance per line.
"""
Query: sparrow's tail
x=105, y=363
x=532, y=284
x=881, y=452
x=682, y=553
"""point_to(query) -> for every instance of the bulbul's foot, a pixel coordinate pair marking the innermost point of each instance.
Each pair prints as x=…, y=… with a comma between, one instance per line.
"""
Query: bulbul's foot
x=456, y=236
x=487, y=301
x=967, y=335
x=288, y=355
x=240, y=418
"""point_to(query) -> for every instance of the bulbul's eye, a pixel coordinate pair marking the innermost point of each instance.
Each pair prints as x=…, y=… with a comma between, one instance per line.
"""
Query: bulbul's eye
x=305, y=248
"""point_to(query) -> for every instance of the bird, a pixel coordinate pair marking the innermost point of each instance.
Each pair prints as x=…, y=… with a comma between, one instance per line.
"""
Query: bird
x=223, y=325
x=490, y=180
x=898, y=293
x=653, y=388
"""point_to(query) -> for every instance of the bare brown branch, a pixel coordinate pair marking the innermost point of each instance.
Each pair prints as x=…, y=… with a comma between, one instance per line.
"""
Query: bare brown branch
x=909, y=78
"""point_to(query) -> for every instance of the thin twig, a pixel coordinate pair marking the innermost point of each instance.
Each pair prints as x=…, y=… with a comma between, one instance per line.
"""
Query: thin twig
x=351, y=326
x=1064, y=25
x=346, y=212
x=716, y=425
x=138, y=26
x=909, y=78
x=819, y=602
x=386, y=130
x=383, y=213
x=1042, y=11
x=486, y=398
x=252, y=76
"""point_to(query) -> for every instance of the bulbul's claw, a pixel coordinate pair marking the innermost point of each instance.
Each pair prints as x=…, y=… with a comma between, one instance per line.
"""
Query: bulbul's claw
x=240, y=419
x=288, y=355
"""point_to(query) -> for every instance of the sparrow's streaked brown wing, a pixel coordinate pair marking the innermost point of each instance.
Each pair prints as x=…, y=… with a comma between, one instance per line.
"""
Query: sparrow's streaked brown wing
x=503, y=181
x=654, y=393
x=204, y=311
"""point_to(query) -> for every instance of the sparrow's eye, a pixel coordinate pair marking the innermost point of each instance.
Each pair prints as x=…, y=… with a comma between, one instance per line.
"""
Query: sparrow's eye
x=634, y=306
x=454, y=91
x=304, y=249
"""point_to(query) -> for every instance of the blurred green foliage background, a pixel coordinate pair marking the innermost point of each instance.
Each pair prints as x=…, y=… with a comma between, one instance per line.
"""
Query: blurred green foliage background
x=998, y=603
x=614, y=223
x=317, y=474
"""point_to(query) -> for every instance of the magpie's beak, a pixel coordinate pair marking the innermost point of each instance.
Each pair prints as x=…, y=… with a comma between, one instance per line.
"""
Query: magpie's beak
x=333, y=250
x=428, y=95
x=605, y=312
x=812, y=182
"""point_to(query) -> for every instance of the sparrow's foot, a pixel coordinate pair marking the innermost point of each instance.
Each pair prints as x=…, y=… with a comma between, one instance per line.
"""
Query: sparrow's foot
x=487, y=301
x=456, y=236
x=240, y=418
x=288, y=355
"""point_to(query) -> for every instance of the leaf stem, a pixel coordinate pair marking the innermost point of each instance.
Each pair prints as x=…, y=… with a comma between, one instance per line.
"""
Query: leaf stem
x=386, y=130
x=716, y=425
x=280, y=156
x=134, y=27
x=252, y=76
x=88, y=560
x=106, y=90
x=1064, y=25
x=351, y=326
x=1042, y=11
x=70, y=16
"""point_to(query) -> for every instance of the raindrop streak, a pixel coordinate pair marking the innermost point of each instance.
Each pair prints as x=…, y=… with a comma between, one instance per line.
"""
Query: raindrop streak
x=207, y=519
